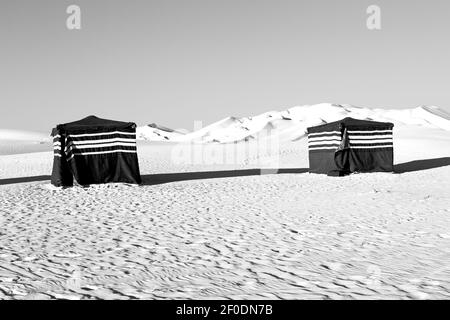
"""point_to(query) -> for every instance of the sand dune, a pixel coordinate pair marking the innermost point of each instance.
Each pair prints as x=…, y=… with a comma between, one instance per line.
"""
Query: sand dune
x=18, y=141
x=153, y=132
x=291, y=124
x=20, y=135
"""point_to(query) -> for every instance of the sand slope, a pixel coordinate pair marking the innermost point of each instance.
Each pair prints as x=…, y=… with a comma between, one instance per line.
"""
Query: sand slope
x=291, y=124
x=19, y=141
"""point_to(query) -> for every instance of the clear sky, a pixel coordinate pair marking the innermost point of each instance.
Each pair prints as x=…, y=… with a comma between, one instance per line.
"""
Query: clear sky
x=176, y=61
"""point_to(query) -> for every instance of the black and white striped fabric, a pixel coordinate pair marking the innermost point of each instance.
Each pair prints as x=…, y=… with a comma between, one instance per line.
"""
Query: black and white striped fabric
x=357, y=139
x=94, y=144
x=370, y=139
x=100, y=143
x=57, y=146
x=328, y=140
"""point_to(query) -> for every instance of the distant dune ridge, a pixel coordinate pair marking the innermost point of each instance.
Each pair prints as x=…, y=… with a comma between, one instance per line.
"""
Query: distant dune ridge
x=21, y=141
x=287, y=125
x=291, y=124
x=418, y=133
x=22, y=135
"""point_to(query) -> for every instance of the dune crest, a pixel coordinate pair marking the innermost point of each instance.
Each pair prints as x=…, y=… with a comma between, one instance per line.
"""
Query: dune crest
x=21, y=135
x=291, y=124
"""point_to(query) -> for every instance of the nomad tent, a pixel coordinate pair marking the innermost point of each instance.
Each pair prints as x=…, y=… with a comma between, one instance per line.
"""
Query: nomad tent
x=350, y=145
x=95, y=150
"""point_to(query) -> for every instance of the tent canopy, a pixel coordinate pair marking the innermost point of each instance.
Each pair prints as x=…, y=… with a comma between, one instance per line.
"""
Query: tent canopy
x=350, y=145
x=94, y=150
x=92, y=123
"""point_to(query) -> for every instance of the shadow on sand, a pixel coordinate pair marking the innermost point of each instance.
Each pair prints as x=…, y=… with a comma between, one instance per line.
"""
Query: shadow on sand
x=24, y=179
x=419, y=165
x=160, y=178
x=153, y=179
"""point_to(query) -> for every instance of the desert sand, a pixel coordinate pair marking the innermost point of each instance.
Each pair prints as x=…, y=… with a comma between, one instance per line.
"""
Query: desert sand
x=230, y=230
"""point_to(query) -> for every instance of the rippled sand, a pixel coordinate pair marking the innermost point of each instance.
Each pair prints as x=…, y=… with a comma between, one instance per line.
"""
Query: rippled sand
x=272, y=236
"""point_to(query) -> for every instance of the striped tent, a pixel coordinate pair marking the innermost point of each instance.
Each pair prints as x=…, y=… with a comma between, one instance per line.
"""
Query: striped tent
x=95, y=150
x=350, y=145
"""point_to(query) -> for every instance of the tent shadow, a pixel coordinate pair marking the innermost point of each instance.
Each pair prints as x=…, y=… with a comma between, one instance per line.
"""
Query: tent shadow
x=161, y=178
x=24, y=179
x=419, y=165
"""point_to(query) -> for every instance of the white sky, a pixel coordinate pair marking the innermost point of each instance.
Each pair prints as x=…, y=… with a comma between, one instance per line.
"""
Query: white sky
x=173, y=62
